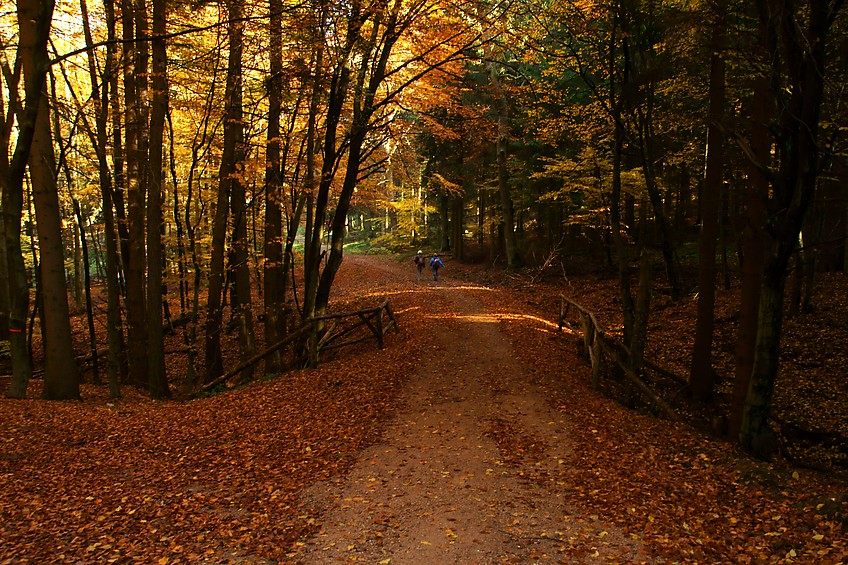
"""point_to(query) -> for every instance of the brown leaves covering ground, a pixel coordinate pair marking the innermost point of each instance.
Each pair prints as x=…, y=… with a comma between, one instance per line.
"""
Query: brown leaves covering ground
x=217, y=480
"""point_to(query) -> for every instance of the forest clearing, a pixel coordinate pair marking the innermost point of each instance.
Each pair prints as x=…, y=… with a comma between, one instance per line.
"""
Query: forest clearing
x=473, y=437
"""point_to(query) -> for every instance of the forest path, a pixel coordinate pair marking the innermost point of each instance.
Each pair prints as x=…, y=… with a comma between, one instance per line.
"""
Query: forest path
x=466, y=471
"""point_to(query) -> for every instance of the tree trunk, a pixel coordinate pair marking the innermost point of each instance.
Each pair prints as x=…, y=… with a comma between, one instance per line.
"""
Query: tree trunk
x=101, y=105
x=135, y=88
x=4, y=270
x=77, y=292
x=61, y=374
x=89, y=313
x=375, y=58
x=273, y=241
x=242, y=304
x=312, y=257
x=226, y=186
x=157, y=377
x=444, y=221
x=501, y=149
x=11, y=179
x=755, y=434
x=458, y=224
x=701, y=380
x=793, y=189
x=753, y=246
x=622, y=254
x=639, y=339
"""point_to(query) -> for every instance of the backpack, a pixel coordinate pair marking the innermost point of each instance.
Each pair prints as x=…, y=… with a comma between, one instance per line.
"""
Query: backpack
x=435, y=262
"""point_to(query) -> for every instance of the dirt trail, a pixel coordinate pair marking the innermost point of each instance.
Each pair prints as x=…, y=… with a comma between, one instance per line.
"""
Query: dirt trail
x=466, y=472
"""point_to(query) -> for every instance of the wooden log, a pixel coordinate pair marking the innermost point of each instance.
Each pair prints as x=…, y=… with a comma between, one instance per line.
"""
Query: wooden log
x=348, y=314
x=367, y=321
x=391, y=314
x=346, y=343
x=305, y=328
x=617, y=355
x=664, y=372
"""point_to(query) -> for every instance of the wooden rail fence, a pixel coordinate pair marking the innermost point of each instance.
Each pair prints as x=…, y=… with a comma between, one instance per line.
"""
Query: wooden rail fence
x=597, y=345
x=323, y=333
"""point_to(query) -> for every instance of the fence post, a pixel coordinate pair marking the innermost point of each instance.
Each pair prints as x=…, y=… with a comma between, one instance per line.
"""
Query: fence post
x=596, y=358
x=561, y=312
x=380, y=326
x=312, y=345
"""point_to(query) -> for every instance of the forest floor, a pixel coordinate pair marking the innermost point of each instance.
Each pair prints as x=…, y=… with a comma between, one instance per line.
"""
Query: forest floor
x=472, y=437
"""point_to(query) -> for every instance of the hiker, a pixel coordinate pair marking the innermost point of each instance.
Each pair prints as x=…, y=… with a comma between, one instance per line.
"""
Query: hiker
x=435, y=262
x=419, y=261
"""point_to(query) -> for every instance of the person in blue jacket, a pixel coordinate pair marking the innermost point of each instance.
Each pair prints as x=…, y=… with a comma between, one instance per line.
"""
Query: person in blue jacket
x=436, y=263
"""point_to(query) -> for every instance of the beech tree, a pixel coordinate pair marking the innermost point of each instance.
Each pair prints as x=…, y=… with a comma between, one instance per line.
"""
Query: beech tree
x=793, y=48
x=61, y=374
x=157, y=379
x=701, y=379
x=136, y=132
x=34, y=18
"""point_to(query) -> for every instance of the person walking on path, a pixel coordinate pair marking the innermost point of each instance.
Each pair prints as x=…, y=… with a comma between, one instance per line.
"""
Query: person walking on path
x=436, y=263
x=419, y=261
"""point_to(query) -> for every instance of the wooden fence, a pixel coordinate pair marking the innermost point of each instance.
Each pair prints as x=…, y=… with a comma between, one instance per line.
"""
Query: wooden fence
x=597, y=345
x=323, y=333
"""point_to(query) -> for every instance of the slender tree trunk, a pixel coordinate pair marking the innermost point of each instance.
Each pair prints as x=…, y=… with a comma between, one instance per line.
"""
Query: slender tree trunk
x=273, y=238
x=119, y=172
x=458, y=223
x=214, y=313
x=226, y=190
x=89, y=313
x=312, y=257
x=444, y=221
x=501, y=148
x=78, y=291
x=177, y=215
x=135, y=70
x=101, y=104
x=157, y=377
x=242, y=304
x=753, y=245
x=12, y=183
x=375, y=59
x=622, y=254
x=4, y=270
x=701, y=380
x=639, y=341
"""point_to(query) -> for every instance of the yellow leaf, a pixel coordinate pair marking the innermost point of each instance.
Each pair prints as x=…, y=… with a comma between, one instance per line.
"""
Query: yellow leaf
x=818, y=537
x=163, y=561
x=385, y=561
